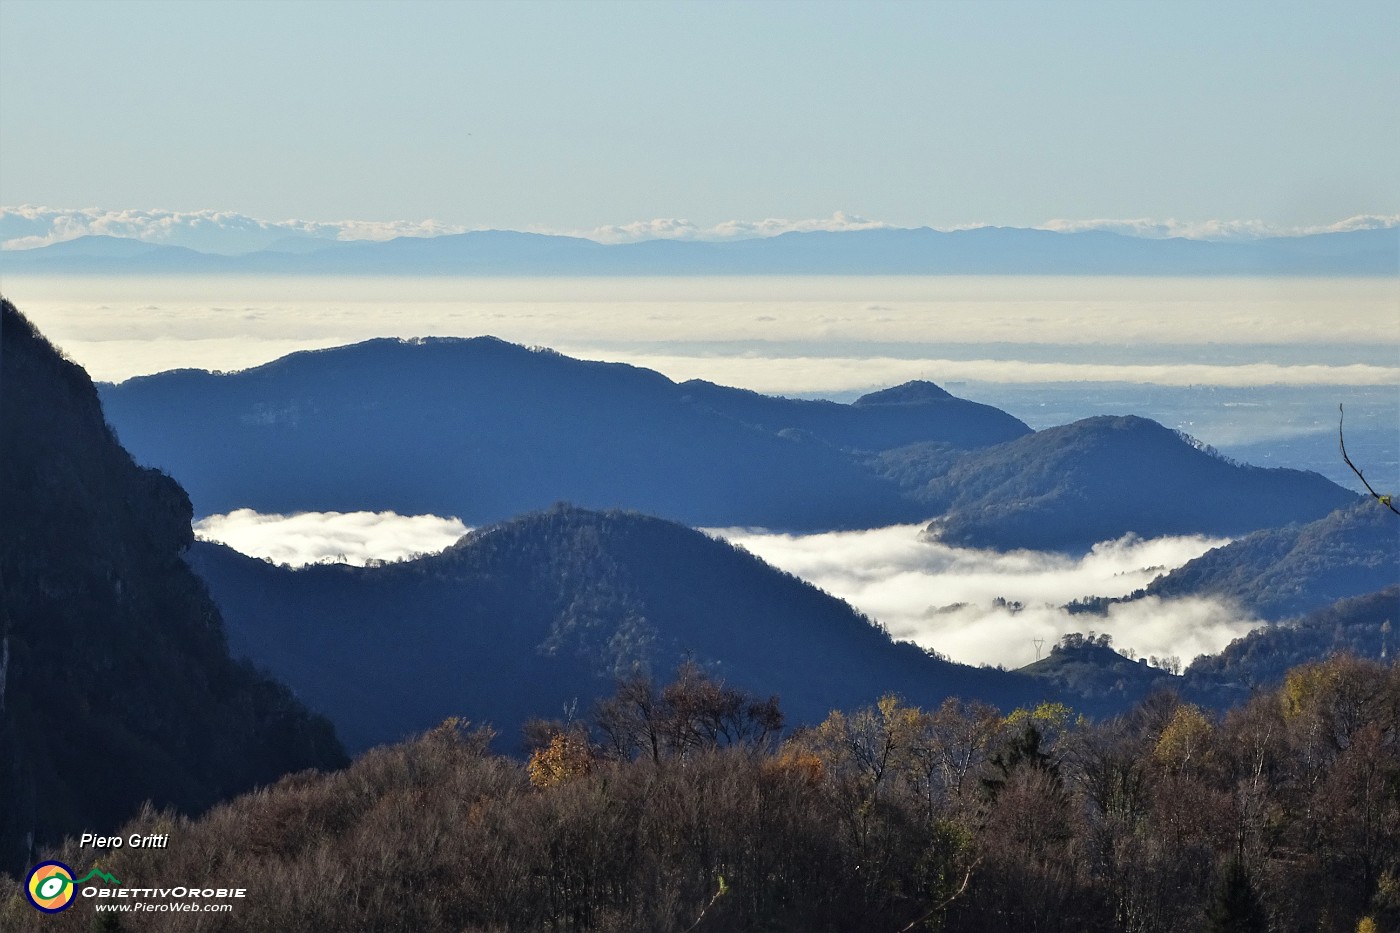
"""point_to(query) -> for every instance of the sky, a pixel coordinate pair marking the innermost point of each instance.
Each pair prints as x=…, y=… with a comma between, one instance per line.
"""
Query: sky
x=579, y=116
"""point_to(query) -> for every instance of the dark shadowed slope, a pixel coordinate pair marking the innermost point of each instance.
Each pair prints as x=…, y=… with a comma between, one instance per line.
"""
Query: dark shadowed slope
x=1071, y=486
x=116, y=685
x=522, y=619
x=484, y=430
x=1289, y=571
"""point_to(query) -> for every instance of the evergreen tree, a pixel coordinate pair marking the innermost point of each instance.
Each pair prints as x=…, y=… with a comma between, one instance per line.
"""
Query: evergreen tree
x=1235, y=907
x=1023, y=749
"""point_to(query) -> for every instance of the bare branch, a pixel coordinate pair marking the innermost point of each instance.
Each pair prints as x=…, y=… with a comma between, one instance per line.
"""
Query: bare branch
x=1383, y=500
x=955, y=895
x=723, y=890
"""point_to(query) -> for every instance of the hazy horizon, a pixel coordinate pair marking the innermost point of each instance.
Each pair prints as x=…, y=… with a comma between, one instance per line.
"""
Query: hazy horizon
x=780, y=334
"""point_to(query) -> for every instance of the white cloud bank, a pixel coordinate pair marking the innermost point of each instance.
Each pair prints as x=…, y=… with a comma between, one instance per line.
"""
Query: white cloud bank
x=1220, y=229
x=837, y=374
x=958, y=601
x=229, y=232
x=330, y=537
x=670, y=228
x=986, y=607
x=803, y=335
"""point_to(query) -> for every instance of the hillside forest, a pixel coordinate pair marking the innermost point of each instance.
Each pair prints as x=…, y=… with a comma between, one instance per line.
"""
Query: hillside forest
x=677, y=807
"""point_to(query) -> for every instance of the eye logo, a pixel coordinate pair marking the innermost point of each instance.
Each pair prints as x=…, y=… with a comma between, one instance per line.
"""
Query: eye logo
x=50, y=887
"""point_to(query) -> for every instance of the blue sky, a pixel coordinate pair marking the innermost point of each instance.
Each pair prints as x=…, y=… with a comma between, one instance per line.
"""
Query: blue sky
x=571, y=116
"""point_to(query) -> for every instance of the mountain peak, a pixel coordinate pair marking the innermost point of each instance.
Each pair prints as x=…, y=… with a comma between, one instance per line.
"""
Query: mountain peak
x=913, y=392
x=547, y=609
x=483, y=429
x=1071, y=486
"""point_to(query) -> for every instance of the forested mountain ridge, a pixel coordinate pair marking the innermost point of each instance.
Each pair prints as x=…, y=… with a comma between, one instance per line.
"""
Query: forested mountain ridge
x=1069, y=487
x=1295, y=569
x=915, y=412
x=486, y=430
x=531, y=616
x=1365, y=626
x=116, y=685
x=537, y=615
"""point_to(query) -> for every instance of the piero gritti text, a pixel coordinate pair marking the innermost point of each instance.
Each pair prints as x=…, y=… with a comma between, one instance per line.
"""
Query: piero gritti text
x=134, y=841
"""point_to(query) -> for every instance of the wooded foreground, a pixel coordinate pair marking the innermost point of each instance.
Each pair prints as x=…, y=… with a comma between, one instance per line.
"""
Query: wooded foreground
x=678, y=808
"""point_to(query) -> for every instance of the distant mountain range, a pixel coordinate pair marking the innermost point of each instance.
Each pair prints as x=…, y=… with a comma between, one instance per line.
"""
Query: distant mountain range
x=916, y=251
x=539, y=614
x=116, y=685
x=486, y=430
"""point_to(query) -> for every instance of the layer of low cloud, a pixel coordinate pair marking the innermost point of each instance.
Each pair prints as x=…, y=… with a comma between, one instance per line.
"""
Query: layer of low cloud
x=666, y=228
x=987, y=607
x=1178, y=628
x=1220, y=229
x=226, y=232
x=118, y=360
x=810, y=336
x=330, y=537
x=229, y=232
x=974, y=606
x=838, y=374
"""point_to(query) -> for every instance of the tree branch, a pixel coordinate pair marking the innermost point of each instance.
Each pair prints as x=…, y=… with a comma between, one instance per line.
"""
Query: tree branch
x=1383, y=500
x=937, y=907
x=723, y=890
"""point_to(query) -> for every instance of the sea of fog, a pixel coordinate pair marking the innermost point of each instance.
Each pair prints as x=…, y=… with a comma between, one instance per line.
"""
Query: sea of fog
x=975, y=606
x=1254, y=367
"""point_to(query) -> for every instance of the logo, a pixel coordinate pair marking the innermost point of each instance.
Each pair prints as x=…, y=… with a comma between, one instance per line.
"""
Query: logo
x=50, y=886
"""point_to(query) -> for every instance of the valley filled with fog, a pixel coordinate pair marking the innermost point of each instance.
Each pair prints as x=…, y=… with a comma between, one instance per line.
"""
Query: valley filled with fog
x=975, y=606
